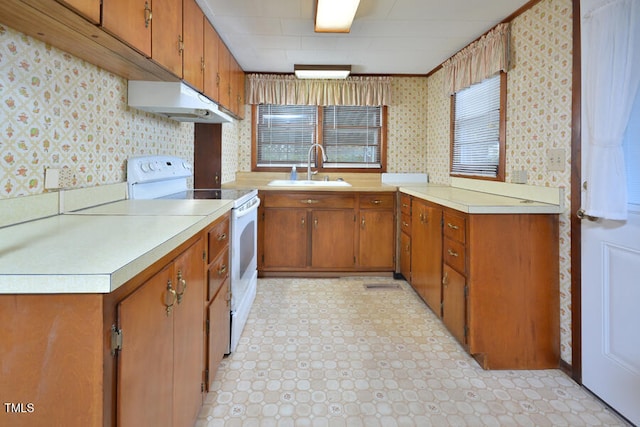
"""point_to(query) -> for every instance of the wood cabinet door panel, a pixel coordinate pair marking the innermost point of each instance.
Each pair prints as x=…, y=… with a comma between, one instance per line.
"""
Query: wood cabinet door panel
x=125, y=19
x=285, y=238
x=219, y=316
x=333, y=238
x=188, y=336
x=166, y=33
x=454, y=307
x=377, y=238
x=145, y=365
x=426, y=253
x=211, y=63
x=193, y=31
x=405, y=256
x=90, y=9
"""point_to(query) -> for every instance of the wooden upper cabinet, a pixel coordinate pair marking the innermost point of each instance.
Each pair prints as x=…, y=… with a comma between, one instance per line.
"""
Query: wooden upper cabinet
x=193, y=31
x=237, y=88
x=90, y=9
x=211, y=74
x=166, y=35
x=130, y=21
x=224, y=67
x=152, y=27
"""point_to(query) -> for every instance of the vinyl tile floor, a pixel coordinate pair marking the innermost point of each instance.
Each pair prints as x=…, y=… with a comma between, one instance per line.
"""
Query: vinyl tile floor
x=335, y=352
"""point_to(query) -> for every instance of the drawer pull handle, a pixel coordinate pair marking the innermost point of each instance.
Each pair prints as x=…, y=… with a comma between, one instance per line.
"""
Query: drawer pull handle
x=404, y=205
x=423, y=218
x=222, y=237
x=309, y=201
x=170, y=297
x=222, y=270
x=452, y=226
x=405, y=224
x=147, y=15
x=445, y=279
x=452, y=252
x=376, y=202
x=363, y=222
x=182, y=286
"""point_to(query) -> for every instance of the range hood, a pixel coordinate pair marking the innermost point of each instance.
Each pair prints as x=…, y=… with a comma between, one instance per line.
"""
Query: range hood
x=176, y=101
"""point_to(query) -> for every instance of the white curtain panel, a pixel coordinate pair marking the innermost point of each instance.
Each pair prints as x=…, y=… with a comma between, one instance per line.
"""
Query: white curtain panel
x=610, y=79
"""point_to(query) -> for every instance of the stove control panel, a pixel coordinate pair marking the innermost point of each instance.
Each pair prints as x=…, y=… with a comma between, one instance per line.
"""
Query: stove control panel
x=143, y=169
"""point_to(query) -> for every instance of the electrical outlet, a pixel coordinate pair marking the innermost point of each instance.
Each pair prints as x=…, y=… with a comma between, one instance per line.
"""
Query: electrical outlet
x=556, y=160
x=66, y=178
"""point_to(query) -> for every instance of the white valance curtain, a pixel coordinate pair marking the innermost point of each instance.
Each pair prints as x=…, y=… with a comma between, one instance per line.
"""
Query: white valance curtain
x=285, y=89
x=481, y=59
x=611, y=76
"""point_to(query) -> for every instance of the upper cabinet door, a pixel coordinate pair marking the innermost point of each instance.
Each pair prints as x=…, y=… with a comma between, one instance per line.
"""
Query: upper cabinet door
x=194, y=62
x=90, y=9
x=166, y=35
x=211, y=68
x=130, y=21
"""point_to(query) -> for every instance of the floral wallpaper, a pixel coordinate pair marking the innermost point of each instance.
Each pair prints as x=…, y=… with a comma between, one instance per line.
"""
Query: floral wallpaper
x=538, y=119
x=59, y=111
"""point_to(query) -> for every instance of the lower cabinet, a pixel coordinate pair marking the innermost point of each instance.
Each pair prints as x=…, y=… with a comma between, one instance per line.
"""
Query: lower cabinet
x=326, y=232
x=218, y=298
x=426, y=252
x=454, y=303
x=160, y=361
x=493, y=279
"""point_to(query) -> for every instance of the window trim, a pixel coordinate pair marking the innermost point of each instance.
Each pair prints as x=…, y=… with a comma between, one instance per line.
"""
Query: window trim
x=320, y=168
x=502, y=137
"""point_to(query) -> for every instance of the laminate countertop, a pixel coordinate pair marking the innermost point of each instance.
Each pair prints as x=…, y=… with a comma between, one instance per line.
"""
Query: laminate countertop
x=96, y=250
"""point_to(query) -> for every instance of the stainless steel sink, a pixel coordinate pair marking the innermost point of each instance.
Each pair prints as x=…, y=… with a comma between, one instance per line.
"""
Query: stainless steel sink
x=307, y=183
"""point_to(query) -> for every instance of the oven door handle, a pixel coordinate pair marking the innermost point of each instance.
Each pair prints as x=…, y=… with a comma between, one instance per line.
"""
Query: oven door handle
x=242, y=212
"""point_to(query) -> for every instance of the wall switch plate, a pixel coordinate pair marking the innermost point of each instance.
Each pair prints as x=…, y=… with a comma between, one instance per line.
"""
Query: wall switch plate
x=66, y=178
x=51, y=178
x=556, y=159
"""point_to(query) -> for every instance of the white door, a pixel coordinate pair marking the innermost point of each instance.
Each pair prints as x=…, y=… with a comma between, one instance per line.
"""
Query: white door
x=611, y=293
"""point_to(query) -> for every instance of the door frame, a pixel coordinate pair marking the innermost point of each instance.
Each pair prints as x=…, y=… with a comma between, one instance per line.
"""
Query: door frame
x=575, y=370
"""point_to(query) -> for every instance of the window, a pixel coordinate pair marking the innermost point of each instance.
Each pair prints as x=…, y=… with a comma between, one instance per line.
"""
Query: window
x=352, y=137
x=478, y=130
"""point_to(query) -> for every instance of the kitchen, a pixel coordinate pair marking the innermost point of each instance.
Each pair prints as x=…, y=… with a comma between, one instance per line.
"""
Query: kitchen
x=80, y=120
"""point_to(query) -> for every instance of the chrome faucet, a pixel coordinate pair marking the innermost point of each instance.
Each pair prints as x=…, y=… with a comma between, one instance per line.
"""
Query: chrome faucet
x=324, y=159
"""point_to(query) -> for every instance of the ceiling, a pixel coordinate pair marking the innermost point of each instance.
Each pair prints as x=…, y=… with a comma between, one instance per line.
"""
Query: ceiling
x=387, y=36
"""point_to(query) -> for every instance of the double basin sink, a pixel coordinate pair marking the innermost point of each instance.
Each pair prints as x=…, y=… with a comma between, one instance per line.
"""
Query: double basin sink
x=307, y=183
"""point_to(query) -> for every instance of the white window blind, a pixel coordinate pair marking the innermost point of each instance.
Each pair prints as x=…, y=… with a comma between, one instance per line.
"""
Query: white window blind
x=476, y=145
x=351, y=136
x=285, y=133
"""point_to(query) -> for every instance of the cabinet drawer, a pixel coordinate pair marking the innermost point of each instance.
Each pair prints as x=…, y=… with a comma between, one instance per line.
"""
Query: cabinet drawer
x=453, y=253
x=405, y=224
x=377, y=201
x=217, y=274
x=311, y=200
x=405, y=204
x=454, y=227
x=218, y=238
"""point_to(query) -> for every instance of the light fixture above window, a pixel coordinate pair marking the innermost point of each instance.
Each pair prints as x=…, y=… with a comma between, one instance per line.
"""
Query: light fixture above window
x=335, y=16
x=322, y=71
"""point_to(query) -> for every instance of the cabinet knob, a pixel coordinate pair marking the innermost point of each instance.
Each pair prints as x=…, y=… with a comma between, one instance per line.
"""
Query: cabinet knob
x=222, y=270
x=222, y=237
x=181, y=287
x=170, y=297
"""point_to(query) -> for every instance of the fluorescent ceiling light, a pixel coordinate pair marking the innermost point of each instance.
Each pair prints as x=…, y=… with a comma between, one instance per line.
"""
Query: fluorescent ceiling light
x=322, y=71
x=335, y=16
